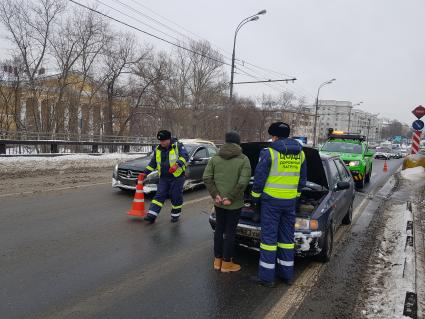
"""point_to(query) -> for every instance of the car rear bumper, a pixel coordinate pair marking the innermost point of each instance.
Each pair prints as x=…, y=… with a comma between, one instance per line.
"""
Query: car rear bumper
x=147, y=189
x=306, y=243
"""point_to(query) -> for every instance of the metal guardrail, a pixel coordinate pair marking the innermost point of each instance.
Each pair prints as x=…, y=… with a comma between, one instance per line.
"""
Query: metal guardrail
x=67, y=139
x=45, y=136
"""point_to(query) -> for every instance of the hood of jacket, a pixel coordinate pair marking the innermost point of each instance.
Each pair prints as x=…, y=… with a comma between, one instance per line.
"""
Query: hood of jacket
x=287, y=146
x=230, y=150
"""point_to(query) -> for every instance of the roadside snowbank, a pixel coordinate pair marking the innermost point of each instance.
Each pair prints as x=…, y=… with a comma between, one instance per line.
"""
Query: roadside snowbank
x=14, y=167
x=392, y=279
x=414, y=174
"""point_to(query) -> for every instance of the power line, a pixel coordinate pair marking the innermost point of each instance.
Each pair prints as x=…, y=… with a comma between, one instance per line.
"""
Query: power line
x=148, y=33
x=242, y=61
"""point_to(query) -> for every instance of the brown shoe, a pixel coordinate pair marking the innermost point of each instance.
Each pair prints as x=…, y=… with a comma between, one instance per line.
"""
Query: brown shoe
x=229, y=266
x=217, y=263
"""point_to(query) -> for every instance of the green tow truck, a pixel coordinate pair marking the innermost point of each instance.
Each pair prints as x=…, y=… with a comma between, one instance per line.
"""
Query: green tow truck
x=353, y=150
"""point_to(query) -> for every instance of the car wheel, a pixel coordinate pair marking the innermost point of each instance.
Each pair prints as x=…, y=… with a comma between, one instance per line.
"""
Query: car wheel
x=360, y=184
x=326, y=253
x=368, y=175
x=348, y=218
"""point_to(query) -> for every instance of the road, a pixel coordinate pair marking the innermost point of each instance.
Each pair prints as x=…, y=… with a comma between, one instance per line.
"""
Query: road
x=75, y=254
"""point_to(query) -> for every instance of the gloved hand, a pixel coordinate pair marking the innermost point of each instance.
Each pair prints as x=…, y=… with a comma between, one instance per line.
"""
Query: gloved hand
x=173, y=169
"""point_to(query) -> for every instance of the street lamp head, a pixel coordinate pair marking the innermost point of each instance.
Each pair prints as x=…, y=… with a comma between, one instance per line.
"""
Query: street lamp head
x=254, y=18
x=262, y=11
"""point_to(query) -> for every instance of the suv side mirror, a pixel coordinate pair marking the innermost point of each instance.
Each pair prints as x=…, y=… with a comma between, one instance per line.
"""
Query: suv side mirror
x=342, y=185
x=369, y=153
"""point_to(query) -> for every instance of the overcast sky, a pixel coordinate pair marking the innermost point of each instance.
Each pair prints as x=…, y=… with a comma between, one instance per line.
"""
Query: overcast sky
x=374, y=48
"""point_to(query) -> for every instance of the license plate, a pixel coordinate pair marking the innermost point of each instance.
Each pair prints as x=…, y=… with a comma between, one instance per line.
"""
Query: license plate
x=247, y=232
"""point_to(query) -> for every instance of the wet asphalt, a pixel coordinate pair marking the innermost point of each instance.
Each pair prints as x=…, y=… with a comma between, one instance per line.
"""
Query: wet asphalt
x=76, y=254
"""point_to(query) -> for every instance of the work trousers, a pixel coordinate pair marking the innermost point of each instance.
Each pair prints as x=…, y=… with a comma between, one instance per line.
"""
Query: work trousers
x=168, y=187
x=277, y=238
x=225, y=231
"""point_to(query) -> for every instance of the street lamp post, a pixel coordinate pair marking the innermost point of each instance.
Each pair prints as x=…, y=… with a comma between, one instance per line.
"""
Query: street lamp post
x=316, y=109
x=254, y=17
x=349, y=114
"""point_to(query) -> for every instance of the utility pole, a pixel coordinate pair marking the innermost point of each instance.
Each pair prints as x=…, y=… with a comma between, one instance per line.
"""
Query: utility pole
x=317, y=107
x=349, y=114
x=254, y=17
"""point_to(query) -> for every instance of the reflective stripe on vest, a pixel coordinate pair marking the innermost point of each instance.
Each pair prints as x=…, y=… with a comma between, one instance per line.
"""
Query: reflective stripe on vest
x=173, y=155
x=284, y=175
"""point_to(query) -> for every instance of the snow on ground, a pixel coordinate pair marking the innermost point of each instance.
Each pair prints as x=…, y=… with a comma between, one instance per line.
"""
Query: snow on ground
x=392, y=270
x=414, y=174
x=13, y=167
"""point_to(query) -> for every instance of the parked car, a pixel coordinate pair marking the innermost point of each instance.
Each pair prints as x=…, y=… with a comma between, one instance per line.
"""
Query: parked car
x=125, y=174
x=397, y=153
x=325, y=203
x=383, y=153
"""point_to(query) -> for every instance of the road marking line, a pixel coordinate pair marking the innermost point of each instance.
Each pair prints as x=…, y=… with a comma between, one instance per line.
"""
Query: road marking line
x=193, y=201
x=53, y=189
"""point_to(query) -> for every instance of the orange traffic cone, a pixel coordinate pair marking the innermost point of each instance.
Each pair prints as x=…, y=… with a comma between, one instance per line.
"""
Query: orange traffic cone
x=138, y=207
x=385, y=166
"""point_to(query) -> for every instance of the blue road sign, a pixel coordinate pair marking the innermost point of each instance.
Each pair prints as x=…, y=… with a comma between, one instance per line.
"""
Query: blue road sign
x=418, y=125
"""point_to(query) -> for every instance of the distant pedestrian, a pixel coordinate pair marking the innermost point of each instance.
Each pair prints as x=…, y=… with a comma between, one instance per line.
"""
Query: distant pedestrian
x=169, y=159
x=280, y=175
x=226, y=177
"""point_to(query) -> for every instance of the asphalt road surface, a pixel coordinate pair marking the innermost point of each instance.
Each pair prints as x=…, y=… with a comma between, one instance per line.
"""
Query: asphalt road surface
x=75, y=254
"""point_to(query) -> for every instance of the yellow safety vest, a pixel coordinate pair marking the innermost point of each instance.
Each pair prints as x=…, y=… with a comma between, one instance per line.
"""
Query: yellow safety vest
x=173, y=156
x=284, y=175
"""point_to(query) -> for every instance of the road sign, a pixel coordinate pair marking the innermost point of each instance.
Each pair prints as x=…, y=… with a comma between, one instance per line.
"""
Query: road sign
x=419, y=111
x=418, y=125
x=416, y=139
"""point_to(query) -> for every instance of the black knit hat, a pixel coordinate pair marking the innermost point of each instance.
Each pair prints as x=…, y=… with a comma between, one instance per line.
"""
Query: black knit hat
x=163, y=135
x=279, y=129
x=232, y=137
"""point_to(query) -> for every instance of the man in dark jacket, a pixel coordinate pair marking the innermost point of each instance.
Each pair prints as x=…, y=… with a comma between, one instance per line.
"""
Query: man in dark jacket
x=169, y=159
x=226, y=177
x=280, y=175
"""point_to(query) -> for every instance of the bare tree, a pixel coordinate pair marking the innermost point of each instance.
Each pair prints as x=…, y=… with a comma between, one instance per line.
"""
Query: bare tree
x=79, y=33
x=206, y=80
x=29, y=25
x=118, y=57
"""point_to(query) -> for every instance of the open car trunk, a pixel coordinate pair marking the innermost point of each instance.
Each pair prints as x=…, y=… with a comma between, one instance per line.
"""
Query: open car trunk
x=311, y=196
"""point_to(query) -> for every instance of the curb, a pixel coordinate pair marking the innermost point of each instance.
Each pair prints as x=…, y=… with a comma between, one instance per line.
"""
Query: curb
x=419, y=250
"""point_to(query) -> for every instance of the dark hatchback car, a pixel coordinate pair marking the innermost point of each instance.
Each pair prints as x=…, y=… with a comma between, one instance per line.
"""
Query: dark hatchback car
x=325, y=203
x=200, y=152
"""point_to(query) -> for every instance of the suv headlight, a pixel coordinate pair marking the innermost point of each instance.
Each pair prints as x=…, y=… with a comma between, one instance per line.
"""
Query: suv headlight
x=115, y=171
x=354, y=163
x=306, y=224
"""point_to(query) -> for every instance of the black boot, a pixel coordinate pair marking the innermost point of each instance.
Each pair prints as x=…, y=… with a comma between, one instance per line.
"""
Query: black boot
x=175, y=219
x=150, y=218
x=258, y=281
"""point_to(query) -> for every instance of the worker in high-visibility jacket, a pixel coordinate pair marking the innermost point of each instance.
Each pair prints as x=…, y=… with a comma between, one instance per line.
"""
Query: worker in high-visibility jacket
x=280, y=175
x=169, y=159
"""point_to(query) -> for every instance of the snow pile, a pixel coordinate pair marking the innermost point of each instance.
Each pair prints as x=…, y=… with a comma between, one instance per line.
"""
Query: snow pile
x=392, y=274
x=414, y=174
x=13, y=167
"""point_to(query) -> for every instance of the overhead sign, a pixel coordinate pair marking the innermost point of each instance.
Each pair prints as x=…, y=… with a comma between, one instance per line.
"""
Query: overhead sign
x=419, y=111
x=418, y=125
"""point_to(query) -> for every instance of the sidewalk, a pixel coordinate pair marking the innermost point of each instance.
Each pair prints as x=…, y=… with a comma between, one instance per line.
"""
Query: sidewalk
x=395, y=279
